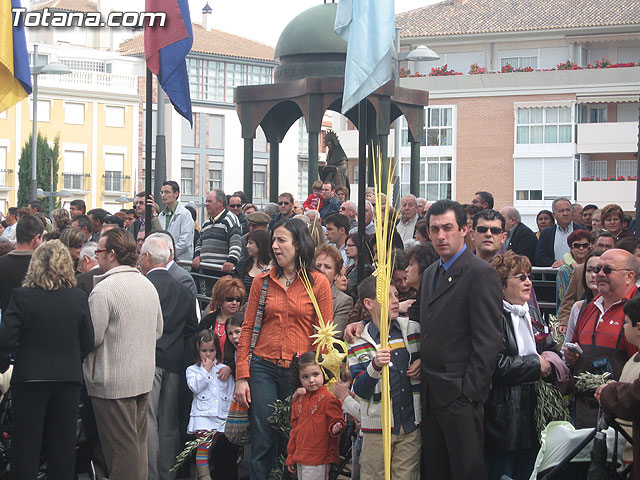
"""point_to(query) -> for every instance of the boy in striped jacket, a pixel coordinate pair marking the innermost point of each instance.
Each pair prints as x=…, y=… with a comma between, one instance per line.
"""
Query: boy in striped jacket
x=366, y=360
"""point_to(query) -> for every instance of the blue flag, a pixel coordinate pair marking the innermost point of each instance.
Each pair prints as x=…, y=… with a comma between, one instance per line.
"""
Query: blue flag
x=15, y=75
x=166, y=49
x=368, y=27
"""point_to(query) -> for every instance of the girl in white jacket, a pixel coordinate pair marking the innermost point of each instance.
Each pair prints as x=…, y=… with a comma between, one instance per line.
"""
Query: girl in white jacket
x=212, y=392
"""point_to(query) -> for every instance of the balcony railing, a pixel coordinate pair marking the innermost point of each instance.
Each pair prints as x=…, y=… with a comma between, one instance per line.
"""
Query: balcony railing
x=116, y=182
x=608, y=137
x=93, y=81
x=76, y=181
x=6, y=178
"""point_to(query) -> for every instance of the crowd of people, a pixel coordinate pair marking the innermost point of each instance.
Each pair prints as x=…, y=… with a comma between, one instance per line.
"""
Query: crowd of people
x=98, y=313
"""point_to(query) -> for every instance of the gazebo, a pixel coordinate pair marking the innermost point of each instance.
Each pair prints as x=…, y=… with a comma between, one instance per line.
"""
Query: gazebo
x=309, y=80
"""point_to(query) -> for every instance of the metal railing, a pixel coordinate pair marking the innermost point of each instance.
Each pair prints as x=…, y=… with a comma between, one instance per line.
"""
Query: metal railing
x=544, y=284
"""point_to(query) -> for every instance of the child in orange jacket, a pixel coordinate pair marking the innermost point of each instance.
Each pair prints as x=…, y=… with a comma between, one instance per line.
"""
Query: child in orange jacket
x=316, y=423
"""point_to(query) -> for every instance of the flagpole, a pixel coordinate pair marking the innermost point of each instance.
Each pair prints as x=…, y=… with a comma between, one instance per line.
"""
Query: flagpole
x=148, y=139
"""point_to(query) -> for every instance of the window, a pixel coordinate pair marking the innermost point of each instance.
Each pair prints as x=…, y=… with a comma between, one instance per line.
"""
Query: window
x=74, y=113
x=439, y=127
x=260, y=142
x=86, y=65
x=528, y=194
x=598, y=168
x=519, y=62
x=114, y=116
x=216, y=131
x=259, y=185
x=187, y=176
x=73, y=169
x=215, y=172
x=3, y=166
x=543, y=125
x=259, y=75
x=213, y=81
x=303, y=137
x=538, y=179
x=44, y=110
x=436, y=177
x=303, y=178
x=43, y=59
x=236, y=76
x=113, y=167
x=626, y=168
x=194, y=67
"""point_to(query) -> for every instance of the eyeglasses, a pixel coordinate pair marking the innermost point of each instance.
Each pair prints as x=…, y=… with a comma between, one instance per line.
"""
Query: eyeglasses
x=235, y=205
x=607, y=269
x=350, y=245
x=580, y=245
x=522, y=277
x=139, y=202
x=101, y=250
x=283, y=203
x=233, y=299
x=484, y=229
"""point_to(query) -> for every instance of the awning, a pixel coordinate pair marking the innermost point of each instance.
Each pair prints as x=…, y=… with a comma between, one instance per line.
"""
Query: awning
x=542, y=104
x=609, y=99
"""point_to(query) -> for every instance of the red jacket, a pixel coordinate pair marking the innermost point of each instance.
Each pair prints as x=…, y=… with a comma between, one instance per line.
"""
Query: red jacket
x=312, y=417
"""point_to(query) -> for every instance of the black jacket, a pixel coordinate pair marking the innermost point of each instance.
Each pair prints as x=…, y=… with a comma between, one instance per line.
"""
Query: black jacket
x=179, y=317
x=509, y=411
x=84, y=281
x=545, y=255
x=51, y=333
x=523, y=242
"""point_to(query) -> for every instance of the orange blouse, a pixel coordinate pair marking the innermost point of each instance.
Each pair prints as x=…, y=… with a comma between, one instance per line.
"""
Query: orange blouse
x=288, y=319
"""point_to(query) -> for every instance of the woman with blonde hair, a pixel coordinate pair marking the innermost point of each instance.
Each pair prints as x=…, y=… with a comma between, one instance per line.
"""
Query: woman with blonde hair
x=48, y=326
x=61, y=219
x=227, y=298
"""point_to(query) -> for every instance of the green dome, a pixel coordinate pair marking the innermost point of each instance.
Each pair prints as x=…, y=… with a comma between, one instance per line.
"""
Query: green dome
x=311, y=32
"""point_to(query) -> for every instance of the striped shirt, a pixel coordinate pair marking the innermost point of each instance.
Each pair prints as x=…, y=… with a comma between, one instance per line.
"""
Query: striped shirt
x=220, y=240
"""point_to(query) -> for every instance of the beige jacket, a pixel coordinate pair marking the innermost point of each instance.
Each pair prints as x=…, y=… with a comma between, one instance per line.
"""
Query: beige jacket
x=127, y=321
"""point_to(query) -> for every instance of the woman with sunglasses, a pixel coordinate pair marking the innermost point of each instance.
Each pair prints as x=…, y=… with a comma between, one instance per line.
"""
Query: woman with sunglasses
x=580, y=247
x=511, y=438
x=227, y=298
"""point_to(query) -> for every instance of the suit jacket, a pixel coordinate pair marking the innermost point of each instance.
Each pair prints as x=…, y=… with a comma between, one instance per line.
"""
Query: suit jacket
x=573, y=293
x=179, y=317
x=84, y=281
x=460, y=329
x=523, y=242
x=342, y=305
x=545, y=255
x=183, y=277
x=134, y=228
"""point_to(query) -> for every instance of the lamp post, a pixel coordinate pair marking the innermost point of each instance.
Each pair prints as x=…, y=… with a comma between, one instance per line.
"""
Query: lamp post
x=418, y=54
x=54, y=68
x=51, y=195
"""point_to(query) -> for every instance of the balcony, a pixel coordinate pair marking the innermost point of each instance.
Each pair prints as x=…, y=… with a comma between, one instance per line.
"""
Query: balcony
x=603, y=193
x=6, y=180
x=609, y=137
x=92, y=81
x=116, y=183
x=77, y=182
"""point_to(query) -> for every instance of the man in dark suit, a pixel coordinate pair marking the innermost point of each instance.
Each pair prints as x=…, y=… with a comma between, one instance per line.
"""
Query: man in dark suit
x=552, y=245
x=460, y=307
x=173, y=268
x=178, y=313
x=520, y=238
x=88, y=267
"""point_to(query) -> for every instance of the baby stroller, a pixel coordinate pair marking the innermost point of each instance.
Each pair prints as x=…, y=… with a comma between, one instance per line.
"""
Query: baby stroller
x=346, y=443
x=84, y=446
x=567, y=453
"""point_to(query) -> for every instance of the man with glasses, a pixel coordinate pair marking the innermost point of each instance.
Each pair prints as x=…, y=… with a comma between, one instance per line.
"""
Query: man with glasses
x=349, y=210
x=488, y=233
x=285, y=205
x=600, y=328
x=460, y=307
x=369, y=226
x=138, y=224
x=235, y=207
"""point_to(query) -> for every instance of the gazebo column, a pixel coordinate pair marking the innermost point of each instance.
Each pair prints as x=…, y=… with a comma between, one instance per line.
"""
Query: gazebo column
x=383, y=150
x=248, y=169
x=313, y=160
x=274, y=169
x=414, y=172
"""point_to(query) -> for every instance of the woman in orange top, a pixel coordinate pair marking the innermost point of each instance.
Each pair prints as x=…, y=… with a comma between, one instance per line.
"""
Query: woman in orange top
x=287, y=324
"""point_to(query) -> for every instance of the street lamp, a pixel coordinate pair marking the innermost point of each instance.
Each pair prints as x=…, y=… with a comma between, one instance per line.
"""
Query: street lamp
x=51, y=195
x=421, y=53
x=54, y=68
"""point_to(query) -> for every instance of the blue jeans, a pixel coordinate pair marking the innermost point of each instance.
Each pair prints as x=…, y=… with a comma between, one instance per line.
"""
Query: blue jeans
x=516, y=464
x=268, y=382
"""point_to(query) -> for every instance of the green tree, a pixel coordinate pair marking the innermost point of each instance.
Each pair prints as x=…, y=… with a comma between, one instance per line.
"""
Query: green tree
x=47, y=157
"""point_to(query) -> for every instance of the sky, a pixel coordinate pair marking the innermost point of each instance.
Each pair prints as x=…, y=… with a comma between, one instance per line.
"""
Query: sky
x=259, y=20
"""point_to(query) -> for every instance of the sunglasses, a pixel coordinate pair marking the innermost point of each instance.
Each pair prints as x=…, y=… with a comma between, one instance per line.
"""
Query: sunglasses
x=606, y=269
x=283, y=203
x=139, y=202
x=233, y=299
x=494, y=230
x=580, y=245
x=235, y=205
x=522, y=277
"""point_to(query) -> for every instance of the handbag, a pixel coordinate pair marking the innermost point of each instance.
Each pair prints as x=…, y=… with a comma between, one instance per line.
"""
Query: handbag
x=237, y=427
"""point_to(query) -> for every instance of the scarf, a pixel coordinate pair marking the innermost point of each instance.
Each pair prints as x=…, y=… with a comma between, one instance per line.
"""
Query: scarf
x=522, y=328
